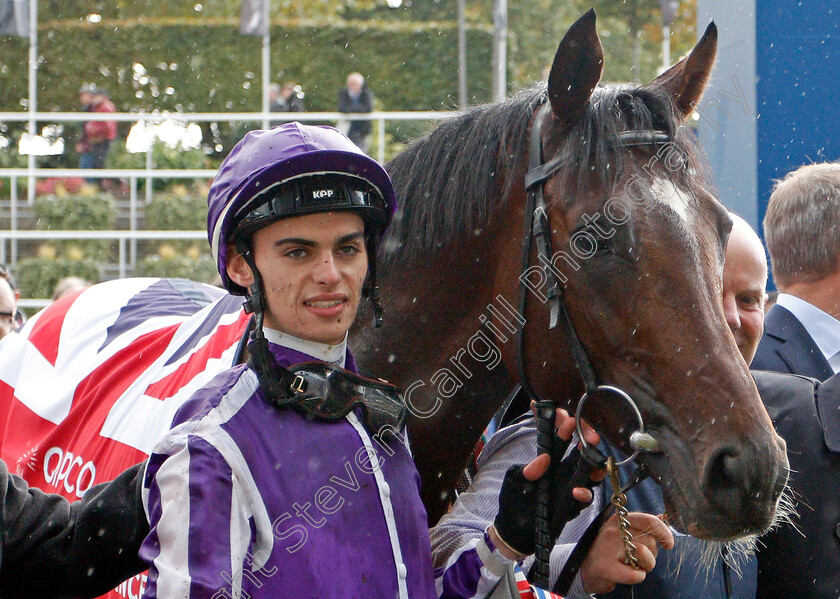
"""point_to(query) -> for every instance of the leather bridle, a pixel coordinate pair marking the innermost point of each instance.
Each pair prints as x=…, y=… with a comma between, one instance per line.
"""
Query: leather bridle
x=537, y=229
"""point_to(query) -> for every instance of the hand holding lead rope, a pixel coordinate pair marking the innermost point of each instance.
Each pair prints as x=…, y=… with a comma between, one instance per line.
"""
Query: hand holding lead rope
x=570, y=491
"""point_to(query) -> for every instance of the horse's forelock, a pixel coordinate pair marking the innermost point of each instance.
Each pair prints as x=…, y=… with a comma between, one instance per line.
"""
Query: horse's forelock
x=593, y=148
x=450, y=181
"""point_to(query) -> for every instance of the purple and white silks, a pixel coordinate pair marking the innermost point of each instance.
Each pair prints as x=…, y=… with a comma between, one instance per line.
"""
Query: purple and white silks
x=245, y=500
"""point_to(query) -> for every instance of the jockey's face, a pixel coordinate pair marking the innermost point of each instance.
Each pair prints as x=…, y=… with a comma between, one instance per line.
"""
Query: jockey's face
x=313, y=268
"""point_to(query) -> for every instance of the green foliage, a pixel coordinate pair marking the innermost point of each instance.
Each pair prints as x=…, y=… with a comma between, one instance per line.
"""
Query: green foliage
x=179, y=210
x=37, y=277
x=207, y=66
x=77, y=212
x=183, y=266
x=163, y=157
x=196, y=11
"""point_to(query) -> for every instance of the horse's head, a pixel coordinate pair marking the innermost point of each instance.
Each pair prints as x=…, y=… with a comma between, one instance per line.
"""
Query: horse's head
x=638, y=246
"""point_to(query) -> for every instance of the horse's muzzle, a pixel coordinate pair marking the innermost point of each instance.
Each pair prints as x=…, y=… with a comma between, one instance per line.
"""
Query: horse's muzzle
x=744, y=482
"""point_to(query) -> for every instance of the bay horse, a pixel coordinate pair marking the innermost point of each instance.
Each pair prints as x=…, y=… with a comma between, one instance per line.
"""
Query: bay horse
x=640, y=243
x=93, y=380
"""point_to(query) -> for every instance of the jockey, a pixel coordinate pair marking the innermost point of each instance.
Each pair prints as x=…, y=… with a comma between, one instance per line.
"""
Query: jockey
x=290, y=475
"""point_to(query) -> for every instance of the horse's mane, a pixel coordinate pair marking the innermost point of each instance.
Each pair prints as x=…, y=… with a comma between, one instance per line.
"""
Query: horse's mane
x=450, y=181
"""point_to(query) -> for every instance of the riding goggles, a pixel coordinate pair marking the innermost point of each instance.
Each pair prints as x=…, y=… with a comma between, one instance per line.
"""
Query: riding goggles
x=327, y=392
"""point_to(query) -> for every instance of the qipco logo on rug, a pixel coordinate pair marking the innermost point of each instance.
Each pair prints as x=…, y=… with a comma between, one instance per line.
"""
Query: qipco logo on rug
x=64, y=470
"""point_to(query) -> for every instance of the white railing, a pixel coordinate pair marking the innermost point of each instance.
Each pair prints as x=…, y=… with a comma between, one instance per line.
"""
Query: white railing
x=127, y=240
x=263, y=117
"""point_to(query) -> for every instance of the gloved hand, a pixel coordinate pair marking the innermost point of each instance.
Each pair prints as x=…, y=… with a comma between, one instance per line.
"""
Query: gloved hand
x=572, y=481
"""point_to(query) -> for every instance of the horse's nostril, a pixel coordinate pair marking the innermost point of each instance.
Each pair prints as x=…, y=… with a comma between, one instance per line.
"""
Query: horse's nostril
x=729, y=468
x=726, y=477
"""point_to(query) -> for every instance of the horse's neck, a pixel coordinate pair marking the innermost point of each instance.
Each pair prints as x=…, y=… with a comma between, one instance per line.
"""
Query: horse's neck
x=433, y=309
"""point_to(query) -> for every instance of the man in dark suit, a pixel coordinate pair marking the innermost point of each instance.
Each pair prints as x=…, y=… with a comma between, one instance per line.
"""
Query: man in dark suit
x=803, y=560
x=802, y=227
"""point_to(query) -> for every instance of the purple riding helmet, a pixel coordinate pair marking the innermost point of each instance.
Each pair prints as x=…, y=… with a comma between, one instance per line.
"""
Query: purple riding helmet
x=291, y=170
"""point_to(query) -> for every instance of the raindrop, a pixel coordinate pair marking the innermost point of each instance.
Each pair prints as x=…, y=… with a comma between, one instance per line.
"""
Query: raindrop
x=392, y=358
x=93, y=18
x=197, y=8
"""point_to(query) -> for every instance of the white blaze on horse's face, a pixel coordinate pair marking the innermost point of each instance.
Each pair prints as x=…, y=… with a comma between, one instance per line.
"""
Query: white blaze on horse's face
x=675, y=198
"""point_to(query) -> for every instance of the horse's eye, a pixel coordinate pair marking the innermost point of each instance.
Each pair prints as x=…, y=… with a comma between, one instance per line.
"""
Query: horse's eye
x=592, y=241
x=603, y=248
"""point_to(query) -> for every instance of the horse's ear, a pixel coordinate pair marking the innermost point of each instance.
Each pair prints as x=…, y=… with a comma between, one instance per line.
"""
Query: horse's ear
x=576, y=70
x=686, y=80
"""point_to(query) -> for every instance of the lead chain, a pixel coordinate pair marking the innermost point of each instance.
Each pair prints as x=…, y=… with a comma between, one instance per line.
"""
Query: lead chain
x=619, y=501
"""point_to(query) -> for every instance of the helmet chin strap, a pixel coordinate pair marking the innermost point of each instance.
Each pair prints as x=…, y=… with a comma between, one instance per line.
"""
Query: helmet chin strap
x=264, y=363
x=372, y=289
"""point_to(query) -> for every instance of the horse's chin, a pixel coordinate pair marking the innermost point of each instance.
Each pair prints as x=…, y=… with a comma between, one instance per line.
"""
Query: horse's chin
x=689, y=512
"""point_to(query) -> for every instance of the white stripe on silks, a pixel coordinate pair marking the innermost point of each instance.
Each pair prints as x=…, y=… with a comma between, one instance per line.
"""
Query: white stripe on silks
x=387, y=508
x=210, y=429
x=492, y=570
x=249, y=501
x=173, y=561
x=240, y=538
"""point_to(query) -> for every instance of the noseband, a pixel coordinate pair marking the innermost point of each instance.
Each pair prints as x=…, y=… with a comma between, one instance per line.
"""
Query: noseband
x=537, y=228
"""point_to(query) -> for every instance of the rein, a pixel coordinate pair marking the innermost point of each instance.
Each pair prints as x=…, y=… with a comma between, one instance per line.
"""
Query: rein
x=538, y=230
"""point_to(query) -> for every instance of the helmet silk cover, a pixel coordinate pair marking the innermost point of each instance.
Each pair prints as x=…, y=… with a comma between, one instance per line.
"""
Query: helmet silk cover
x=263, y=159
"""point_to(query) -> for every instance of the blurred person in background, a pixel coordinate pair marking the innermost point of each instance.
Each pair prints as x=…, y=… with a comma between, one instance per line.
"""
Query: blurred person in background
x=68, y=285
x=288, y=98
x=10, y=317
x=96, y=135
x=356, y=98
x=802, y=228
